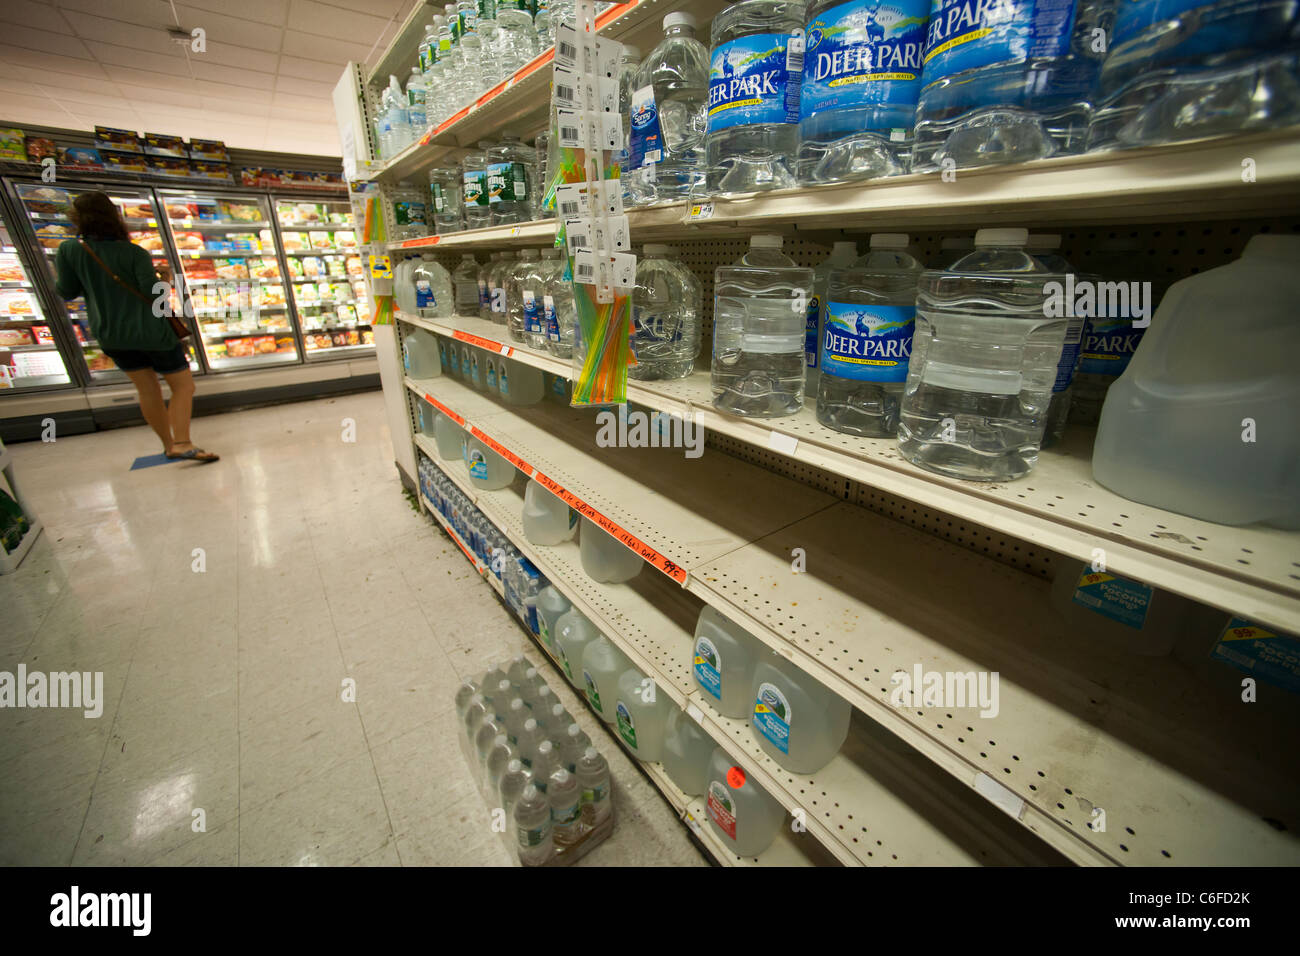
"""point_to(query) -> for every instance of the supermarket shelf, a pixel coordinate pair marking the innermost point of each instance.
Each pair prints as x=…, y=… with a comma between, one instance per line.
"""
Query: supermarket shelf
x=479, y=566
x=322, y=252
x=318, y=227
x=333, y=349
x=541, y=232
x=41, y=347
x=1250, y=571
x=1084, y=727
x=251, y=361
x=653, y=621
x=405, y=44
x=188, y=225
x=221, y=336
x=14, y=284
x=36, y=381
x=239, y=280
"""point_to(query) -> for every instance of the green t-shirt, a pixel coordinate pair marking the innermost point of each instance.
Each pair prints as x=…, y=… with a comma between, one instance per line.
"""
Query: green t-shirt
x=118, y=320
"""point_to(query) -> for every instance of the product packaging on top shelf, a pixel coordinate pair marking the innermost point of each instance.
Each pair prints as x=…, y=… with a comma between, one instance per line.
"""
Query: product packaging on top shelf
x=159, y=144
x=123, y=140
x=161, y=166
x=39, y=148
x=211, y=150
x=84, y=157
x=124, y=162
x=218, y=171
x=12, y=145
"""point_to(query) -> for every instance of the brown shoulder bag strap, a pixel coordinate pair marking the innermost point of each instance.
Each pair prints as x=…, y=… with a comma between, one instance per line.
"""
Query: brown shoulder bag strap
x=177, y=326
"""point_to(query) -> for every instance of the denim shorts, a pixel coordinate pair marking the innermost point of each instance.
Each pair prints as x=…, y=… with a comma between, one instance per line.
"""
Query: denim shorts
x=164, y=363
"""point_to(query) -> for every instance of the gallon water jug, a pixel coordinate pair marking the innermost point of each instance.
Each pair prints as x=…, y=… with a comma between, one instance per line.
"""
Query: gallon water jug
x=602, y=664
x=520, y=384
x=487, y=469
x=548, y=521
x=641, y=714
x=420, y=354
x=797, y=721
x=723, y=663
x=687, y=749
x=573, y=632
x=740, y=811
x=1124, y=613
x=428, y=417
x=449, y=437
x=551, y=604
x=984, y=358
x=605, y=558
x=1206, y=419
x=432, y=289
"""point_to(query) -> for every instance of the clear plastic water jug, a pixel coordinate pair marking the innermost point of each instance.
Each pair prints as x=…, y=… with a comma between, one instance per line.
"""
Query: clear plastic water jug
x=796, y=720
x=641, y=714
x=573, y=632
x=487, y=469
x=602, y=665
x=420, y=354
x=739, y=810
x=723, y=663
x=686, y=754
x=449, y=437
x=605, y=558
x=548, y=520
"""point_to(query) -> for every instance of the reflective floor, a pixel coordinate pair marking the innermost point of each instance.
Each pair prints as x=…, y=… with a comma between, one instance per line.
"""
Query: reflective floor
x=225, y=605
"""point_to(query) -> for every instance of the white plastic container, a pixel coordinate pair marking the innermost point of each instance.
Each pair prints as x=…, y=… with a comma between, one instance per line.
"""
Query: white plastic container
x=602, y=664
x=604, y=558
x=520, y=384
x=487, y=469
x=641, y=715
x=449, y=437
x=798, y=722
x=551, y=605
x=420, y=354
x=739, y=810
x=573, y=632
x=428, y=419
x=548, y=520
x=1123, y=613
x=686, y=753
x=723, y=663
x=1205, y=420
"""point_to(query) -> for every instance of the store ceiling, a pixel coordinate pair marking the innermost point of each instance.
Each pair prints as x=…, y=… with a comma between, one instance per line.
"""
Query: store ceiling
x=265, y=81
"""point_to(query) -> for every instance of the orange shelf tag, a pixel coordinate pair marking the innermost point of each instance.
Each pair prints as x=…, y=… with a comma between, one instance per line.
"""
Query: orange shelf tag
x=504, y=452
x=479, y=342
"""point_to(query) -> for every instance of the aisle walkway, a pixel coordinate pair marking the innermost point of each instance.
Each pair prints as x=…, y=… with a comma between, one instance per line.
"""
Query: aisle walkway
x=222, y=687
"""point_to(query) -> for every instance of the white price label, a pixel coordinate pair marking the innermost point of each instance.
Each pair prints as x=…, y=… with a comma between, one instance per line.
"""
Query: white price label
x=703, y=210
x=571, y=200
x=999, y=796
x=584, y=268
x=781, y=443
x=569, y=125
x=695, y=713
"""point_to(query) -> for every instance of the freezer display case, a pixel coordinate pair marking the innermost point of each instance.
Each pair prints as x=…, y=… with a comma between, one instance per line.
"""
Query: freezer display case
x=29, y=353
x=230, y=265
x=325, y=277
x=48, y=207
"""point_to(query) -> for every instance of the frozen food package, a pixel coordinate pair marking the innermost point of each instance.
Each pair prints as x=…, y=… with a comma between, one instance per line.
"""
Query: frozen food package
x=320, y=240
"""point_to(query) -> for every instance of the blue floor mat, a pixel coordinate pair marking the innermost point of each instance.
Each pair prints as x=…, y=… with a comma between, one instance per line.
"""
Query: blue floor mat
x=148, y=461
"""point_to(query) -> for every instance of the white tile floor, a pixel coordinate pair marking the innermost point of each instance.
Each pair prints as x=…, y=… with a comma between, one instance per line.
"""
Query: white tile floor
x=222, y=688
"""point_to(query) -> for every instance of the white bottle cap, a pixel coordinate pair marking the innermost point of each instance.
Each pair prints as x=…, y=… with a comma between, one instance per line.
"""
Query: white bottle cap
x=1001, y=237
x=574, y=730
x=503, y=685
x=679, y=19
x=516, y=704
x=500, y=740
x=530, y=724
x=889, y=240
x=1043, y=240
x=557, y=710
x=545, y=747
x=634, y=51
x=590, y=754
x=544, y=692
x=531, y=793
x=514, y=766
x=651, y=249
x=561, y=776
x=765, y=240
x=476, y=699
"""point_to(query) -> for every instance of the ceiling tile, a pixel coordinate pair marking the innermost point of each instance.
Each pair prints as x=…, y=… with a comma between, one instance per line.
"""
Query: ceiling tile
x=223, y=29
x=244, y=109
x=149, y=13
x=230, y=91
x=308, y=88
x=39, y=15
x=147, y=94
x=238, y=57
x=79, y=99
x=330, y=21
x=232, y=76
x=317, y=70
x=152, y=39
x=384, y=8
x=55, y=82
x=297, y=43
x=23, y=87
x=274, y=12
x=162, y=81
x=16, y=56
x=170, y=61
x=46, y=42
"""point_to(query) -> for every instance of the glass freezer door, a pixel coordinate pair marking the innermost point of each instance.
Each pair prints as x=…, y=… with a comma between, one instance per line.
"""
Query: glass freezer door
x=227, y=251
x=47, y=208
x=326, y=277
x=29, y=355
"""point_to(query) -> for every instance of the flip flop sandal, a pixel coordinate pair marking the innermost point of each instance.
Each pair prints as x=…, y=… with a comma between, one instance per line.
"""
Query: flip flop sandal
x=196, y=454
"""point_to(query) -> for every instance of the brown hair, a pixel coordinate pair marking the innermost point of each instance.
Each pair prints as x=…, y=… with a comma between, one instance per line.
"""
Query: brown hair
x=96, y=217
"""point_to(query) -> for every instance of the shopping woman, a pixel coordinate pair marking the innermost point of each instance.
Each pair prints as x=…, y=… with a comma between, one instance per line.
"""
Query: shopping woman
x=117, y=280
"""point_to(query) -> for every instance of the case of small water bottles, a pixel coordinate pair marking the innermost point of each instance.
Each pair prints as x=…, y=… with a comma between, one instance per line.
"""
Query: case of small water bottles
x=547, y=787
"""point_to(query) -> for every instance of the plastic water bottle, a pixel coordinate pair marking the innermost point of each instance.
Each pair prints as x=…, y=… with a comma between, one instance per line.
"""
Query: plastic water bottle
x=602, y=663
x=448, y=436
x=471, y=48
x=517, y=40
x=565, y=798
x=796, y=720
x=383, y=126
x=1194, y=69
x=448, y=206
x=867, y=342
x=487, y=733
x=532, y=294
x=548, y=520
x=723, y=663
x=1171, y=432
x=667, y=304
x=498, y=759
x=516, y=714
x=667, y=115
x=755, y=73
x=540, y=700
x=573, y=744
x=502, y=692
x=512, y=785
x=606, y=559
x=1043, y=246
x=415, y=103
x=427, y=56
x=512, y=180
x=542, y=23
x=573, y=632
x=542, y=144
x=409, y=212
x=686, y=753
x=861, y=79
x=760, y=310
x=433, y=289
x=400, y=121
x=475, y=713
x=450, y=88
x=641, y=714
x=468, y=688
x=465, y=281
x=517, y=279
x=739, y=810
x=521, y=384
x=487, y=469
x=559, y=312
x=474, y=192
x=497, y=286
x=593, y=776
x=562, y=11
x=532, y=818
x=629, y=61
x=1006, y=83
x=551, y=604
x=843, y=255
x=489, y=35
x=531, y=737
x=970, y=410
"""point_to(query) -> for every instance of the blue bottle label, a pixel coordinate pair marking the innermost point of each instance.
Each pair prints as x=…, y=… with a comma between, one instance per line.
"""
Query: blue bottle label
x=772, y=715
x=1065, y=368
x=492, y=375
x=755, y=79
x=811, y=350
x=484, y=297
x=532, y=314
x=424, y=295
x=645, y=140
x=969, y=34
x=1108, y=346
x=868, y=343
x=864, y=53
x=552, y=323
x=708, y=666
x=1114, y=597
